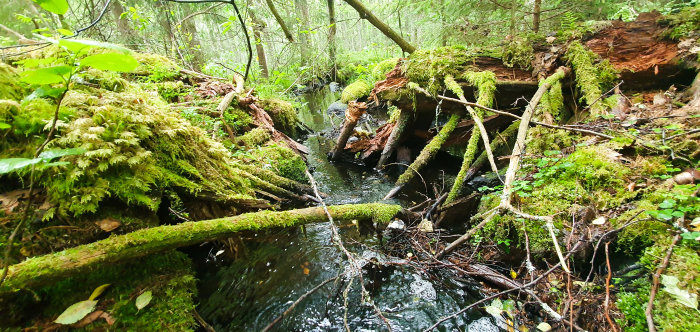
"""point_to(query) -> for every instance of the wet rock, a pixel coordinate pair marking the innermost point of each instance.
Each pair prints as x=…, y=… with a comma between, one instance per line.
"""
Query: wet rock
x=337, y=108
x=335, y=87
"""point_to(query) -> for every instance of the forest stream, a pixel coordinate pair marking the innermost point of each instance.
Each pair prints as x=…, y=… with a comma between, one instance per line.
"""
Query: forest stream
x=275, y=269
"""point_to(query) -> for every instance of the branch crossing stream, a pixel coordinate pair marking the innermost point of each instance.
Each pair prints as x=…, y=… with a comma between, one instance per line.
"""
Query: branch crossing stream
x=267, y=272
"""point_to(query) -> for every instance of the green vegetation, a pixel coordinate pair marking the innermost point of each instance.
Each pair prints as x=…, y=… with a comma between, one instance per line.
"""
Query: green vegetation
x=593, y=77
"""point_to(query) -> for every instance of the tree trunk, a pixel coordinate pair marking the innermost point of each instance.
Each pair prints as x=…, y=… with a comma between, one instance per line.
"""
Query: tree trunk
x=385, y=29
x=259, y=48
x=194, y=47
x=280, y=21
x=331, y=38
x=123, y=25
x=305, y=45
x=536, y=16
x=45, y=269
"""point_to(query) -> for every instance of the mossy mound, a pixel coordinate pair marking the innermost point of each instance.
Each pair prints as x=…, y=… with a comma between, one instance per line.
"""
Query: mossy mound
x=9, y=83
x=169, y=277
x=156, y=68
x=356, y=90
x=281, y=160
x=282, y=113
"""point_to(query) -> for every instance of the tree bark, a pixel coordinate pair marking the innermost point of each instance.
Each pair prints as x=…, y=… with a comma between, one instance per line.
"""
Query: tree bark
x=259, y=48
x=352, y=116
x=395, y=137
x=123, y=25
x=385, y=29
x=194, y=47
x=331, y=38
x=305, y=43
x=536, y=16
x=280, y=21
x=41, y=270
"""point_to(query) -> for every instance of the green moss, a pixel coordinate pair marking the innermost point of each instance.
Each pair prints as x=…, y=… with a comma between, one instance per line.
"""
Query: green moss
x=155, y=68
x=682, y=24
x=10, y=87
x=552, y=101
x=428, y=68
x=172, y=91
x=592, y=75
x=282, y=161
x=107, y=80
x=255, y=137
x=519, y=53
x=382, y=68
x=282, y=113
x=485, y=84
x=168, y=276
x=541, y=139
x=356, y=90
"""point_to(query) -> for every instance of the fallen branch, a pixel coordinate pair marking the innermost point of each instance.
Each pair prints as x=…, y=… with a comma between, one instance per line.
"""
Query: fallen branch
x=606, y=305
x=513, y=167
x=655, y=284
x=45, y=269
x=291, y=307
x=352, y=116
x=395, y=137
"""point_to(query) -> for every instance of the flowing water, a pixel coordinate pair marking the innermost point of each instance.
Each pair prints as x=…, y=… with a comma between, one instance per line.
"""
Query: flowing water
x=273, y=269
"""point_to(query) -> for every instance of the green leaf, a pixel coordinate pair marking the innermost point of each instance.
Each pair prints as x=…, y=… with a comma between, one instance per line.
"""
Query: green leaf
x=45, y=91
x=691, y=236
x=111, y=61
x=667, y=204
x=48, y=75
x=4, y=125
x=495, y=308
x=56, y=153
x=76, y=312
x=12, y=164
x=143, y=300
x=59, y=7
x=65, y=32
x=98, y=291
x=78, y=45
x=680, y=295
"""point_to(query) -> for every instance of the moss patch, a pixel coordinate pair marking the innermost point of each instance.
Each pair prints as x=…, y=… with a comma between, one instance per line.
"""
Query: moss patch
x=168, y=276
x=592, y=76
x=282, y=113
x=10, y=87
x=356, y=90
x=282, y=161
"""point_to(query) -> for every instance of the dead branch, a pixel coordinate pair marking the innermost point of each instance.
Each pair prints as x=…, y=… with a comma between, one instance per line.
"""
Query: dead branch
x=291, y=307
x=655, y=284
x=606, y=305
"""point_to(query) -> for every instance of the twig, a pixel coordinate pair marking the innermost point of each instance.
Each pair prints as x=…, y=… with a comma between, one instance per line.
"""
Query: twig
x=301, y=298
x=446, y=318
x=353, y=262
x=202, y=322
x=606, y=305
x=519, y=117
x=655, y=285
x=697, y=130
x=602, y=95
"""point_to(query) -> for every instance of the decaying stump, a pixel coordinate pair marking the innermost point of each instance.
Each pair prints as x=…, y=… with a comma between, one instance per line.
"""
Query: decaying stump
x=352, y=116
x=400, y=127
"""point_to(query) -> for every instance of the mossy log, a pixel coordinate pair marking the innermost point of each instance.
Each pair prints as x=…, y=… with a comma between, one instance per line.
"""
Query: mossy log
x=425, y=156
x=45, y=269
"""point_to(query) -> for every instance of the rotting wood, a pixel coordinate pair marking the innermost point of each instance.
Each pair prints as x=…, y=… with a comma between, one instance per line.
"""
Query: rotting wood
x=352, y=116
x=42, y=270
x=395, y=138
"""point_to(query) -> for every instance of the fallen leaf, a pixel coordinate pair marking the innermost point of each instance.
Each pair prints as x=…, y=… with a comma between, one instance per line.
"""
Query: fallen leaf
x=680, y=295
x=544, y=327
x=143, y=300
x=10, y=200
x=76, y=312
x=306, y=271
x=513, y=274
x=695, y=225
x=108, y=224
x=599, y=221
x=98, y=291
x=495, y=308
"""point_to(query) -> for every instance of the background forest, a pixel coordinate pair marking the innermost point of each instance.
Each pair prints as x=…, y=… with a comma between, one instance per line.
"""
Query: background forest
x=206, y=37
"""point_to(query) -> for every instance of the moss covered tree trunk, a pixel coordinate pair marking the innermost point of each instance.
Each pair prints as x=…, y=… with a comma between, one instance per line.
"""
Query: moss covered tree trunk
x=41, y=270
x=383, y=27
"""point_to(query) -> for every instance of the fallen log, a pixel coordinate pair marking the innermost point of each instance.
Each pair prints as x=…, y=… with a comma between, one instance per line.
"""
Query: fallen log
x=352, y=116
x=41, y=270
x=426, y=155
